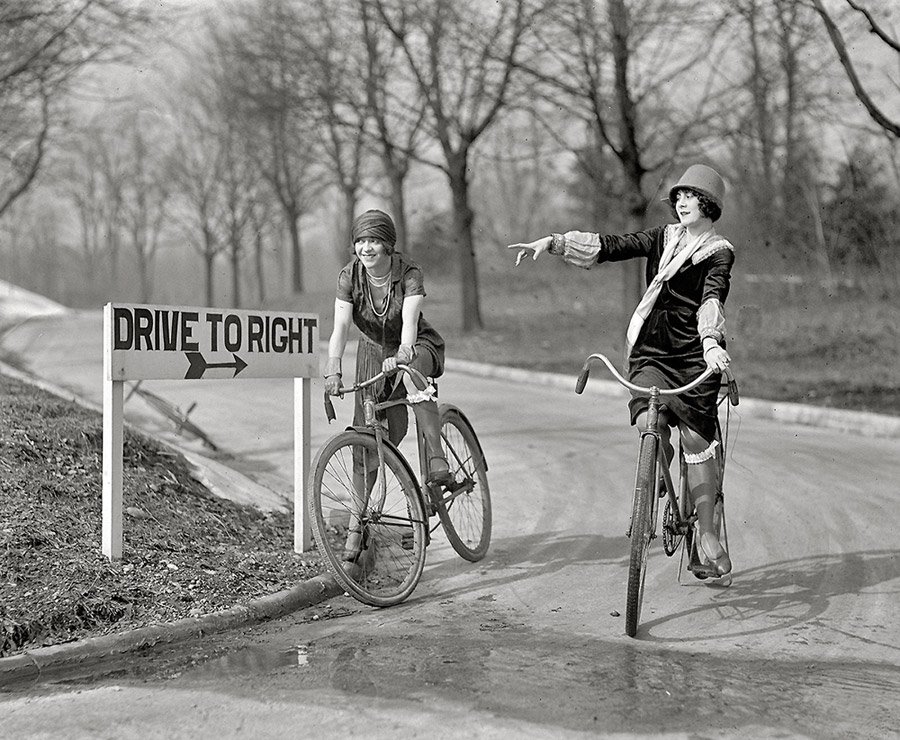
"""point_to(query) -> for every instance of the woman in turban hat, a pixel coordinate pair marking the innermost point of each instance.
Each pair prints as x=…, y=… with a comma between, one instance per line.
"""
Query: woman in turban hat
x=381, y=292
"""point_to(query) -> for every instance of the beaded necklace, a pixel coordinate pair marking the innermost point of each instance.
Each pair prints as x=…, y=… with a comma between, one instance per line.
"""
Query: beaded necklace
x=386, y=301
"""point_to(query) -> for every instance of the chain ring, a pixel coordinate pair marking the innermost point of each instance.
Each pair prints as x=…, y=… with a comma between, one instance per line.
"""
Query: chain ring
x=670, y=536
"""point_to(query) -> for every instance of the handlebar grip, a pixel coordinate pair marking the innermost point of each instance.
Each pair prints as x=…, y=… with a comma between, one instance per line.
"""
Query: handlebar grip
x=582, y=379
x=733, y=396
x=329, y=408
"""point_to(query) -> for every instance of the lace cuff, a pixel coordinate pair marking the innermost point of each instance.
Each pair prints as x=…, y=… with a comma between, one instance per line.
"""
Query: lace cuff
x=711, y=320
x=579, y=248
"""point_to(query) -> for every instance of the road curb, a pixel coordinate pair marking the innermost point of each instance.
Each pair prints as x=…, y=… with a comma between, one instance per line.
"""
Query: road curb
x=35, y=664
x=864, y=423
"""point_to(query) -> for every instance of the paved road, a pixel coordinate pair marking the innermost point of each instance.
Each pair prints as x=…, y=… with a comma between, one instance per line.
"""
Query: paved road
x=530, y=641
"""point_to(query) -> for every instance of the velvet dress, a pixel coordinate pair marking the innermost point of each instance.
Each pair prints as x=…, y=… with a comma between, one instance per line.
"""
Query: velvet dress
x=381, y=331
x=668, y=351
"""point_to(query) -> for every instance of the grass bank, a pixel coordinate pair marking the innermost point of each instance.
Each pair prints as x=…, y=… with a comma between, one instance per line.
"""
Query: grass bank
x=187, y=552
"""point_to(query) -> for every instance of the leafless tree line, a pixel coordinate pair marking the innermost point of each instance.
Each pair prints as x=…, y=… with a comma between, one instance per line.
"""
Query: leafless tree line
x=283, y=106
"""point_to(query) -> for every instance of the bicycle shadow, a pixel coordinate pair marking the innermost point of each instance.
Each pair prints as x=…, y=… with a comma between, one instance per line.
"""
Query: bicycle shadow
x=531, y=556
x=786, y=594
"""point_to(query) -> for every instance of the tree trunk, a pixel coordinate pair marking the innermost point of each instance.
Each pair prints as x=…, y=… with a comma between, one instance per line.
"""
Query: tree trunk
x=465, y=246
x=293, y=219
x=398, y=206
x=235, y=276
x=208, y=259
x=260, y=271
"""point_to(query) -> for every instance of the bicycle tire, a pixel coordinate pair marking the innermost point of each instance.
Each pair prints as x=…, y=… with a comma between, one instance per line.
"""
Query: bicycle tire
x=641, y=532
x=464, y=507
x=387, y=564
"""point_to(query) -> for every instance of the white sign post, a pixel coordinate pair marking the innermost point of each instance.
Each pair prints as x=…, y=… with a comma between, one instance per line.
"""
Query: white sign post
x=143, y=342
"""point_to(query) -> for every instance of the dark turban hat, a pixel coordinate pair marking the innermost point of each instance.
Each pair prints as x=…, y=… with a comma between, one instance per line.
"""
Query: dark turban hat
x=375, y=224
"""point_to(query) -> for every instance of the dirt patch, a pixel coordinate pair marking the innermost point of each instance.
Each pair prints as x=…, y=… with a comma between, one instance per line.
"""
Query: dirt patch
x=187, y=552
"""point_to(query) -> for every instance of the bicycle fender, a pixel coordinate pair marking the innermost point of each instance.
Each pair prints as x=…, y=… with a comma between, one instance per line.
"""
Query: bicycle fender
x=468, y=423
x=400, y=456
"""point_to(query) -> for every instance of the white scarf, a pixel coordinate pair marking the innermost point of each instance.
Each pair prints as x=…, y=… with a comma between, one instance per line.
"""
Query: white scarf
x=669, y=264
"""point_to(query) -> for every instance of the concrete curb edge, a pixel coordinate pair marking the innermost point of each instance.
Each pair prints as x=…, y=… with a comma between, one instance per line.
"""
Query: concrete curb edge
x=32, y=664
x=864, y=423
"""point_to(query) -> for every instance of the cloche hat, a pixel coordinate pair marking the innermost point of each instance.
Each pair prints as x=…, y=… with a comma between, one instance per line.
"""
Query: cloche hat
x=704, y=180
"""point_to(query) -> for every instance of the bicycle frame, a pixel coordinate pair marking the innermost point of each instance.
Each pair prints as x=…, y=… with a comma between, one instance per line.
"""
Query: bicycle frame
x=372, y=426
x=679, y=516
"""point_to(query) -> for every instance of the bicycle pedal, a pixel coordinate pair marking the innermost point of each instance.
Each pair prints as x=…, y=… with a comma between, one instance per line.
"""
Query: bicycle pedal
x=407, y=540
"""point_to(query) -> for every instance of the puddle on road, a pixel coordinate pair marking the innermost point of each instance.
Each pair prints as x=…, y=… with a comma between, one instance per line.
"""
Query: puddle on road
x=554, y=680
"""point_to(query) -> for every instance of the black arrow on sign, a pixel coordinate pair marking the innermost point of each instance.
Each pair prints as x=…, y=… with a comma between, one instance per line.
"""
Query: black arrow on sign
x=199, y=365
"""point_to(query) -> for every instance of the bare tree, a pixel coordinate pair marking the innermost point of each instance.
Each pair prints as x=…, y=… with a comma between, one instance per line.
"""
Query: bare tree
x=268, y=61
x=196, y=168
x=889, y=124
x=83, y=185
x=462, y=57
x=613, y=73
x=397, y=117
x=44, y=44
x=145, y=197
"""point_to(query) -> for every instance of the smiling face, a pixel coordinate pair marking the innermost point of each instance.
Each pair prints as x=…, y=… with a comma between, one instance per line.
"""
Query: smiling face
x=373, y=254
x=687, y=207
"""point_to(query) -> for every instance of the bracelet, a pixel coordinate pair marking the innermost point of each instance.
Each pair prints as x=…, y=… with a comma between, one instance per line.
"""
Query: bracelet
x=332, y=367
x=557, y=244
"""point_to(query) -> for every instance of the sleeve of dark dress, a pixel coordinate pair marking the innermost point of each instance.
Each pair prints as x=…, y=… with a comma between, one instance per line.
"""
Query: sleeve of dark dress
x=718, y=276
x=618, y=247
x=711, y=314
x=345, y=285
x=413, y=281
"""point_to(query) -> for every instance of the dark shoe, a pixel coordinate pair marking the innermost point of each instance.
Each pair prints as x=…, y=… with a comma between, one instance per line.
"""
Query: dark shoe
x=438, y=472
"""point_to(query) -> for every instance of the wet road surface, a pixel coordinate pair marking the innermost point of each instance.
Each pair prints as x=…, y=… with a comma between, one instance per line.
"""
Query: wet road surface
x=530, y=642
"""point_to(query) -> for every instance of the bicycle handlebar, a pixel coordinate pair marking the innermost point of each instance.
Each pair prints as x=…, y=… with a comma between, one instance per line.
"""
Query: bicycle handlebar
x=418, y=379
x=597, y=357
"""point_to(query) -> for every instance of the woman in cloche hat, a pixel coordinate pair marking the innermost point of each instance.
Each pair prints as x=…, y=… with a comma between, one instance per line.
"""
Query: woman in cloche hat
x=678, y=328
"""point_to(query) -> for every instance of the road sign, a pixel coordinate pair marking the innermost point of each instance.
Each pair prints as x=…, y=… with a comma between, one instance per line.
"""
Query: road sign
x=144, y=342
x=172, y=342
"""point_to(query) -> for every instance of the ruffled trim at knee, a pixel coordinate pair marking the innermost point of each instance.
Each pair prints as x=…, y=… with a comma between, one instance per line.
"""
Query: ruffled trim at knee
x=695, y=458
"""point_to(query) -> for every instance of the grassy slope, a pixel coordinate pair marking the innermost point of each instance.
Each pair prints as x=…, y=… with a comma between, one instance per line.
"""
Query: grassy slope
x=186, y=551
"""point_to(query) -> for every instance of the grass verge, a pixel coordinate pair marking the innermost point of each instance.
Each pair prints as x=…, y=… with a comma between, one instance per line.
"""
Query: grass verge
x=187, y=552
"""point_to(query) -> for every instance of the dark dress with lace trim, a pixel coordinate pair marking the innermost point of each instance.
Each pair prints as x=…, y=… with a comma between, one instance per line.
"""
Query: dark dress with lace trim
x=668, y=351
x=381, y=331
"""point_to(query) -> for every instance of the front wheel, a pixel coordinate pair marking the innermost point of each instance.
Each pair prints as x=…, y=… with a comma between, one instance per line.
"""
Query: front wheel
x=464, y=506
x=642, y=525
x=372, y=532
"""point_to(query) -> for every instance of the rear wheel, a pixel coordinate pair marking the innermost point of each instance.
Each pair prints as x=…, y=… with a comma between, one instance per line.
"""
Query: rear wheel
x=372, y=533
x=641, y=531
x=464, y=506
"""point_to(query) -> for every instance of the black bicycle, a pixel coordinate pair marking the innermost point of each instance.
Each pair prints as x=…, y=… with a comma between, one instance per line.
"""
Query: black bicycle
x=370, y=513
x=653, y=481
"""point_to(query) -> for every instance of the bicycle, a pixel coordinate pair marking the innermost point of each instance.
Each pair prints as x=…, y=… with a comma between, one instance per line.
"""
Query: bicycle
x=653, y=481
x=374, y=539
x=180, y=419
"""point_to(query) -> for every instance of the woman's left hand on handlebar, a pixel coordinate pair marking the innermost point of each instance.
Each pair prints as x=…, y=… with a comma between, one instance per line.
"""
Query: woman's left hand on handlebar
x=717, y=358
x=333, y=385
x=405, y=355
x=538, y=247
